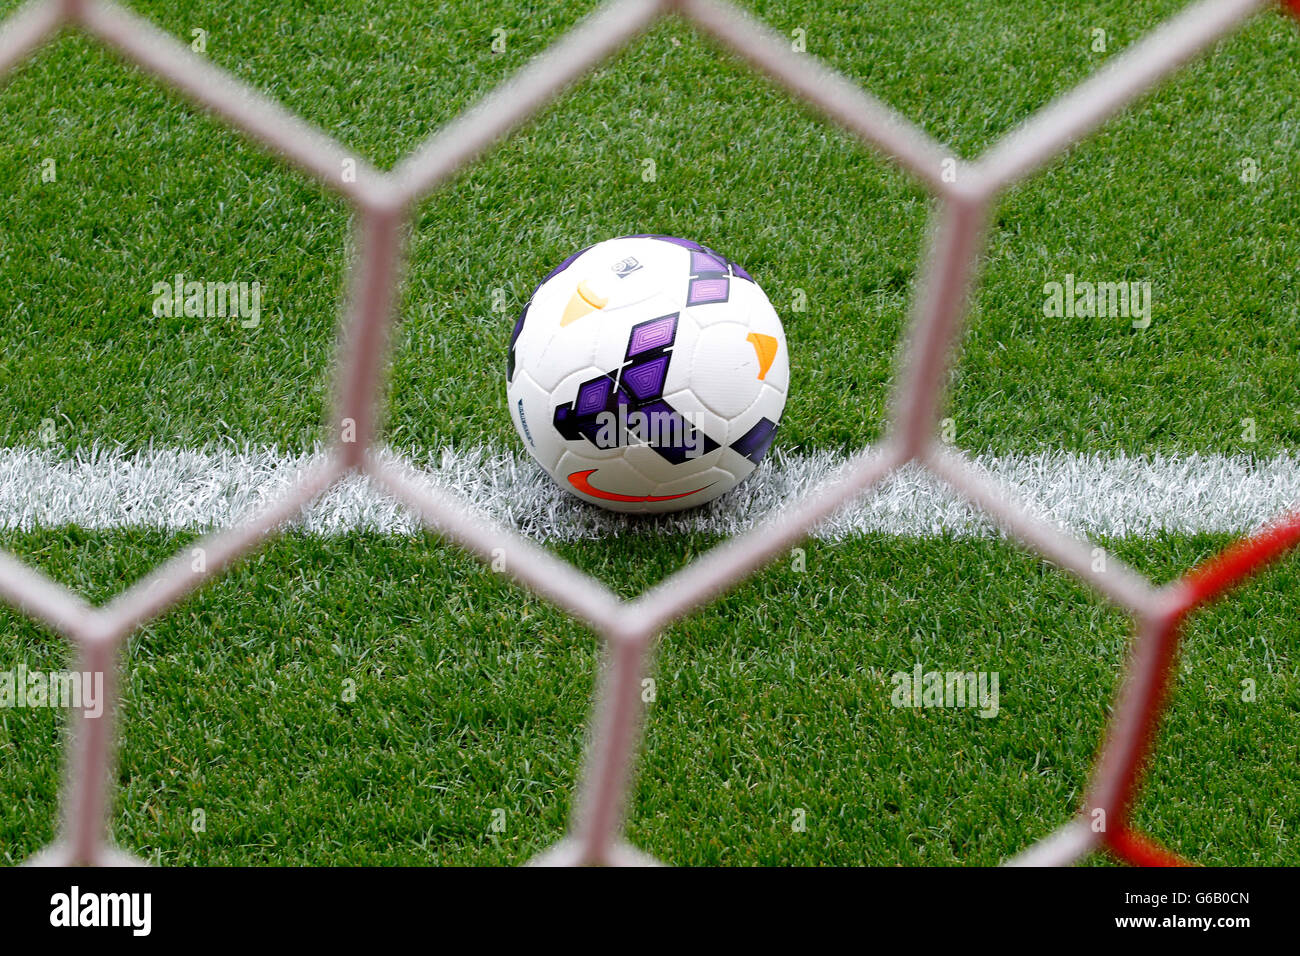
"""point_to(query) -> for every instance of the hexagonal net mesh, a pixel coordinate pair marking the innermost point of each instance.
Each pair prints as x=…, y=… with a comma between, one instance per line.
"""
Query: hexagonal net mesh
x=963, y=191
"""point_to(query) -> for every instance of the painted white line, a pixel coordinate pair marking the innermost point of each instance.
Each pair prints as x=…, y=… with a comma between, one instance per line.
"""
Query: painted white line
x=1087, y=494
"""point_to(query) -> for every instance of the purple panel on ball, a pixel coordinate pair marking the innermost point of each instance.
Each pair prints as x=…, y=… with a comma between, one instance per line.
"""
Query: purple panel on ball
x=755, y=442
x=591, y=430
x=692, y=444
x=652, y=334
x=707, y=262
x=647, y=379
x=707, y=290
x=514, y=337
x=593, y=395
x=741, y=273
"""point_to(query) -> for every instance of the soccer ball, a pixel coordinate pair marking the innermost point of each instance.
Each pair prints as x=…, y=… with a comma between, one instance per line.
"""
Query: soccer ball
x=647, y=374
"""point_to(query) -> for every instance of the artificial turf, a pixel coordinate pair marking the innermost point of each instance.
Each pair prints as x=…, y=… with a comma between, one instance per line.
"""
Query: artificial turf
x=470, y=699
x=467, y=699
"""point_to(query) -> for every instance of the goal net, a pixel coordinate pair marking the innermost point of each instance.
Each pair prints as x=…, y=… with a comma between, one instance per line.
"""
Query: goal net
x=964, y=192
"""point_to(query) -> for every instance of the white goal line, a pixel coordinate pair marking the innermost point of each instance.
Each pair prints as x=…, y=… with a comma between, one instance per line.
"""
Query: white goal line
x=1084, y=494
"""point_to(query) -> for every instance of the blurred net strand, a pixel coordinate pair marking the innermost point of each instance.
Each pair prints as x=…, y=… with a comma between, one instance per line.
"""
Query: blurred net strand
x=1094, y=566
x=383, y=201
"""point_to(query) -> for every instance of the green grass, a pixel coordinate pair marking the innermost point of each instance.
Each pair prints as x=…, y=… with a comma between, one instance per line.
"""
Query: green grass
x=776, y=698
x=146, y=188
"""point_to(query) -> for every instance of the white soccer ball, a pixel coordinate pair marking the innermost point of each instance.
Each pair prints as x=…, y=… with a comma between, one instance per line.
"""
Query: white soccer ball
x=648, y=374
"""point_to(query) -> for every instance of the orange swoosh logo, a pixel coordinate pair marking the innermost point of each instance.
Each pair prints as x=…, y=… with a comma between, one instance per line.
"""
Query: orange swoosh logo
x=582, y=481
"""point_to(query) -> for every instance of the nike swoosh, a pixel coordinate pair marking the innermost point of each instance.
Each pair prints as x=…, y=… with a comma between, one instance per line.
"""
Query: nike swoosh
x=581, y=481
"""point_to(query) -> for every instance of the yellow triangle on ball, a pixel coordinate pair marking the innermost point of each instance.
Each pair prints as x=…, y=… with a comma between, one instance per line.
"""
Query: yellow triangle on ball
x=584, y=301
